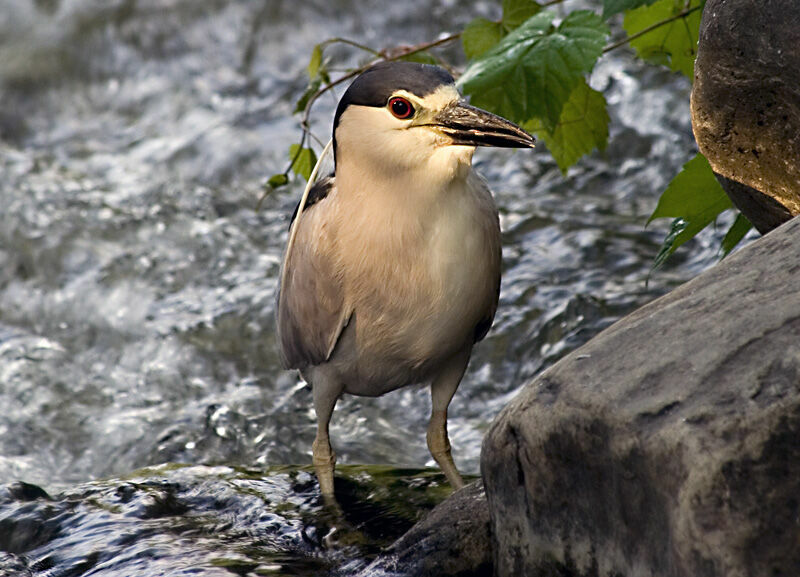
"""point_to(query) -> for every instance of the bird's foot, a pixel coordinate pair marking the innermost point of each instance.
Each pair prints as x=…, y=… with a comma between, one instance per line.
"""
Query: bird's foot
x=445, y=461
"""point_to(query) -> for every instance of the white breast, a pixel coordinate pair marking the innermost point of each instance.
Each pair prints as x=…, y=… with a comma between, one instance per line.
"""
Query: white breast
x=422, y=270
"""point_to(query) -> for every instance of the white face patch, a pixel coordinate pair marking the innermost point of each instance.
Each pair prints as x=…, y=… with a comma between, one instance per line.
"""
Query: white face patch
x=431, y=105
x=373, y=140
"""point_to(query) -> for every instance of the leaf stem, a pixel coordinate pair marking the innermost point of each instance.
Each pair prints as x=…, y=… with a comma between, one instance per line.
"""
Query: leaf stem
x=420, y=47
x=682, y=14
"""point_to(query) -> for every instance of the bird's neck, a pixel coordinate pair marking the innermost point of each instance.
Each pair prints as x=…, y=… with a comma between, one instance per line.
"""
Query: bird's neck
x=400, y=211
x=414, y=184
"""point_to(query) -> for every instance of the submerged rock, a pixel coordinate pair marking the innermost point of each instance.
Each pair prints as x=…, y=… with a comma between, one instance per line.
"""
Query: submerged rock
x=209, y=521
x=669, y=445
x=746, y=104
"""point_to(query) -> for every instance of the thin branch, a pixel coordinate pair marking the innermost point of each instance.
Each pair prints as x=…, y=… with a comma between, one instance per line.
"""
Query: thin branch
x=386, y=55
x=352, y=43
x=397, y=54
x=682, y=14
x=426, y=46
x=316, y=139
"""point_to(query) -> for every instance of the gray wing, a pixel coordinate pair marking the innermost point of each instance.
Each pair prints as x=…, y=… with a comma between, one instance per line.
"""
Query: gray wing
x=493, y=221
x=483, y=326
x=311, y=311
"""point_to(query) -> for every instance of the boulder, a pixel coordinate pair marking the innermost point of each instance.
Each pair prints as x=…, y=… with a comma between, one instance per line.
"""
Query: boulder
x=453, y=540
x=669, y=445
x=762, y=210
x=746, y=103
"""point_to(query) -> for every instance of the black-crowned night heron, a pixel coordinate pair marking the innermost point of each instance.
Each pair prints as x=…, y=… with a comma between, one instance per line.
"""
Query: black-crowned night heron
x=394, y=270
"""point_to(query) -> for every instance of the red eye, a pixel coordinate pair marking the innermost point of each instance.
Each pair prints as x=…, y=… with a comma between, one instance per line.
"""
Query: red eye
x=401, y=108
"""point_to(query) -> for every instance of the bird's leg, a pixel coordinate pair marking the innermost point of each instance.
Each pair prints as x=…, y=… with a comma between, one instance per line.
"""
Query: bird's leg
x=324, y=459
x=442, y=390
x=439, y=446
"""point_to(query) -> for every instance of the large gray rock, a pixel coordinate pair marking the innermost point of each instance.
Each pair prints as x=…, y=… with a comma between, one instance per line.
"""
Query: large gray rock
x=746, y=103
x=669, y=445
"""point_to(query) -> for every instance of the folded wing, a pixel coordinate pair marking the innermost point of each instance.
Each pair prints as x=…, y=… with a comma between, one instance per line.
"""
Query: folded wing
x=311, y=311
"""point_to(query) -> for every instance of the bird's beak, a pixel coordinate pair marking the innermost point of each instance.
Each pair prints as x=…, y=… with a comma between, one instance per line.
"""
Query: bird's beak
x=470, y=126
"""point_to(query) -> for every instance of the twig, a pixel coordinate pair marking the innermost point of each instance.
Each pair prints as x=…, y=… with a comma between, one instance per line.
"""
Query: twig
x=385, y=55
x=682, y=14
x=354, y=44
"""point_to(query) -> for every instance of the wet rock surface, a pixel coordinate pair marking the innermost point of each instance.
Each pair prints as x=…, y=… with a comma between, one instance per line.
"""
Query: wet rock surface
x=453, y=540
x=668, y=445
x=746, y=103
x=209, y=521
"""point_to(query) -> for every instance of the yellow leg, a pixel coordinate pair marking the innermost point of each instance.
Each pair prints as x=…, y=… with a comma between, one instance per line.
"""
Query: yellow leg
x=439, y=446
x=326, y=392
x=324, y=460
x=442, y=390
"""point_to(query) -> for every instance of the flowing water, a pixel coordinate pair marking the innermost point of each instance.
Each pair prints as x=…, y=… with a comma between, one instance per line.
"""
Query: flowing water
x=137, y=280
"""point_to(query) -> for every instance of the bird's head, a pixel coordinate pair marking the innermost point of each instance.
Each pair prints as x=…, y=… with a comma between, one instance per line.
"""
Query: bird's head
x=402, y=116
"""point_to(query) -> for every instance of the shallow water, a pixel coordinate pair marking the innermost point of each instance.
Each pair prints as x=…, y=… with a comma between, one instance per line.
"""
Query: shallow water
x=211, y=521
x=137, y=280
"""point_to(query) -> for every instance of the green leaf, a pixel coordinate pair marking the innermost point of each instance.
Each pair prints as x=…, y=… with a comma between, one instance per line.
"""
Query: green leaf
x=668, y=246
x=694, y=197
x=305, y=161
x=324, y=76
x=423, y=57
x=675, y=42
x=479, y=36
x=532, y=71
x=694, y=191
x=310, y=91
x=315, y=62
x=515, y=12
x=611, y=7
x=583, y=126
x=740, y=227
x=277, y=181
